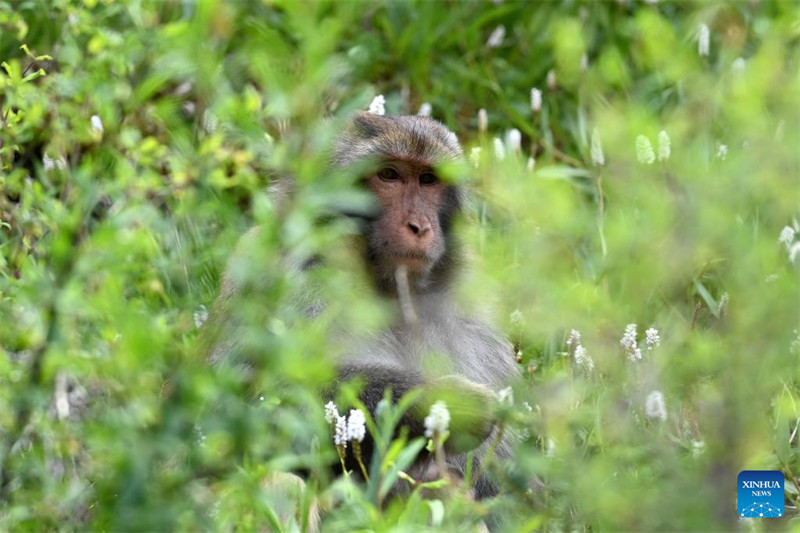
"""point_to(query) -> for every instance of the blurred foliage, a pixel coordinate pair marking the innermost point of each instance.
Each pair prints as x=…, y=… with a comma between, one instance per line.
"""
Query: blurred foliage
x=137, y=141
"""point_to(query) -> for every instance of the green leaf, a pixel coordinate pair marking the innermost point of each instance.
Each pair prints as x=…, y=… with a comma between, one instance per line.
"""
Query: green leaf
x=403, y=460
x=711, y=304
x=436, y=508
x=34, y=75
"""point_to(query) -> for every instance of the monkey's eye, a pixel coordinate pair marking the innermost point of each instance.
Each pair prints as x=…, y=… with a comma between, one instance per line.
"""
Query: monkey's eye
x=388, y=174
x=428, y=178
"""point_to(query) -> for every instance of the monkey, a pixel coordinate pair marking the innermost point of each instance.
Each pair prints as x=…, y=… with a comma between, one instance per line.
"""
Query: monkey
x=413, y=257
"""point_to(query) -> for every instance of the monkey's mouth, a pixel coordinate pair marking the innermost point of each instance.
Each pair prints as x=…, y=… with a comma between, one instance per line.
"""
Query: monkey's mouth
x=415, y=260
x=418, y=259
x=409, y=254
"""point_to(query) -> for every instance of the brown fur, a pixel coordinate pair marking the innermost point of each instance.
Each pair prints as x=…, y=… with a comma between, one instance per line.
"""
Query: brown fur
x=411, y=138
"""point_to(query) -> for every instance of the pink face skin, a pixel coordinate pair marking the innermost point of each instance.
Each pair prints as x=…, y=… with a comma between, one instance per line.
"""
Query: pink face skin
x=408, y=232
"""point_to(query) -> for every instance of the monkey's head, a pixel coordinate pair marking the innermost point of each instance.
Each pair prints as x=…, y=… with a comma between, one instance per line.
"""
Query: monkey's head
x=411, y=225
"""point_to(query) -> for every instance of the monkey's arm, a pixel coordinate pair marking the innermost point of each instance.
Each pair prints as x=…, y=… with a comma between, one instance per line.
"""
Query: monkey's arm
x=377, y=379
x=470, y=404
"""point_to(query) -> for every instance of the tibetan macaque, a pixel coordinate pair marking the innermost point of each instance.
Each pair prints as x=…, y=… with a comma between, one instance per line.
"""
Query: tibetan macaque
x=413, y=257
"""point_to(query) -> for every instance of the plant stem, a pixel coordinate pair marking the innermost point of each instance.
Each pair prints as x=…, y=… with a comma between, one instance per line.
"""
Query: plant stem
x=357, y=453
x=489, y=453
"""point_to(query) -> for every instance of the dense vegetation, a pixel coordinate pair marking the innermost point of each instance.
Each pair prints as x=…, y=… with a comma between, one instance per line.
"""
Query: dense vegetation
x=652, y=181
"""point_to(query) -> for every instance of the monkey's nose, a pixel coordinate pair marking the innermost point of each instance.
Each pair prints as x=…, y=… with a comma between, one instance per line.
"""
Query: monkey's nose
x=419, y=229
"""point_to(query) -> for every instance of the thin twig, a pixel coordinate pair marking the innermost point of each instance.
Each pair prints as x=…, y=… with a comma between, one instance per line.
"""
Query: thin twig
x=558, y=154
x=601, y=223
x=357, y=453
x=404, y=295
x=489, y=453
x=25, y=71
x=438, y=453
x=697, y=308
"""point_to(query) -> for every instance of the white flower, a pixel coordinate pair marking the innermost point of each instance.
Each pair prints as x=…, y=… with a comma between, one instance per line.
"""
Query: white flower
x=531, y=165
x=499, y=149
x=722, y=151
x=210, y=121
x=48, y=162
x=378, y=105
x=183, y=89
x=97, y=124
x=514, y=140
x=425, y=110
x=331, y=412
x=356, y=425
x=723, y=302
x=551, y=79
x=506, y=396
x=644, y=150
x=536, y=100
x=527, y=407
x=497, y=36
x=200, y=316
x=340, y=435
x=698, y=448
x=738, y=66
x=653, y=340
x=794, y=251
x=703, y=40
x=628, y=340
x=787, y=236
x=654, y=406
x=664, y=146
x=517, y=318
x=598, y=159
x=574, y=339
x=483, y=120
x=628, y=343
x=583, y=359
x=475, y=156
x=438, y=420
x=550, y=448
x=636, y=355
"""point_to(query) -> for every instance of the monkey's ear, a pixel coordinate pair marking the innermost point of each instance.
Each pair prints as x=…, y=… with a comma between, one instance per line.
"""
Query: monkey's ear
x=370, y=125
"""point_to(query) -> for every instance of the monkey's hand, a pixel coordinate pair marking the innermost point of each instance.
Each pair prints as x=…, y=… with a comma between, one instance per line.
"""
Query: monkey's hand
x=471, y=408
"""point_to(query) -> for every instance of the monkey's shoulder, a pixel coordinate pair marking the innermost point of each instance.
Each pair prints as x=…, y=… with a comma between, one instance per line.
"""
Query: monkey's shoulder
x=475, y=349
x=479, y=333
x=483, y=338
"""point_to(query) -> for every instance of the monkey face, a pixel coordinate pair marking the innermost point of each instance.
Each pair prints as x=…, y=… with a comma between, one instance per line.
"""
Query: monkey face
x=411, y=226
x=408, y=228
